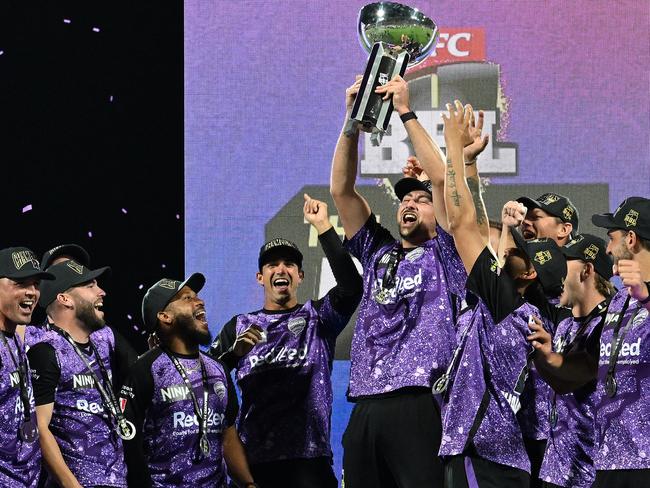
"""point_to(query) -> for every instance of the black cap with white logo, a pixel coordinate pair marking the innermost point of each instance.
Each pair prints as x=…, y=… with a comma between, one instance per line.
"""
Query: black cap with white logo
x=548, y=261
x=160, y=294
x=75, y=251
x=68, y=274
x=632, y=214
x=20, y=263
x=556, y=205
x=406, y=185
x=590, y=249
x=279, y=248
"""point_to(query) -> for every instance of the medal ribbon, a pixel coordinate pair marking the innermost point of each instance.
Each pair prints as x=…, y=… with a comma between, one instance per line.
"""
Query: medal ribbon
x=21, y=367
x=617, y=338
x=107, y=394
x=202, y=415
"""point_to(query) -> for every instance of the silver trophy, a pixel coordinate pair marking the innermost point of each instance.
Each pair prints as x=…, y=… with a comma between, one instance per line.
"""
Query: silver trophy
x=396, y=36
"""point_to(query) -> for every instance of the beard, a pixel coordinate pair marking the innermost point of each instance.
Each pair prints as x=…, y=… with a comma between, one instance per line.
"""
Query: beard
x=190, y=333
x=621, y=252
x=87, y=314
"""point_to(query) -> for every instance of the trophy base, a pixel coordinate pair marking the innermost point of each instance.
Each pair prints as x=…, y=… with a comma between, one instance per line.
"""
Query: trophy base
x=352, y=126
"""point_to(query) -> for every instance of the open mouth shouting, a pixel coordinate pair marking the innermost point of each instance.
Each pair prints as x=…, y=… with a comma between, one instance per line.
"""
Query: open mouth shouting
x=201, y=316
x=99, y=306
x=409, y=217
x=27, y=306
x=280, y=284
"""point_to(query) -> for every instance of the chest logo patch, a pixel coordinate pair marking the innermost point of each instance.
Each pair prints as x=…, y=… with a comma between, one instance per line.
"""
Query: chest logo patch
x=297, y=325
x=220, y=390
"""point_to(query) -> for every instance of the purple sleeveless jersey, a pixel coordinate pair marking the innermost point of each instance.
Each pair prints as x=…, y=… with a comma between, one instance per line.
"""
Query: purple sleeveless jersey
x=20, y=461
x=155, y=398
x=285, y=382
x=623, y=422
x=408, y=338
x=82, y=426
x=568, y=460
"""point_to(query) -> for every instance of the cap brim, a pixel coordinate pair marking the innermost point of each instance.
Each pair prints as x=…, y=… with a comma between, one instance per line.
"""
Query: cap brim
x=195, y=282
x=283, y=252
x=529, y=203
x=406, y=185
x=94, y=274
x=570, y=253
x=41, y=275
x=606, y=221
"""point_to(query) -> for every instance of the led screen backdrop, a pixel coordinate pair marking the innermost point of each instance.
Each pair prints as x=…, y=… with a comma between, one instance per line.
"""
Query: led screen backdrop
x=564, y=87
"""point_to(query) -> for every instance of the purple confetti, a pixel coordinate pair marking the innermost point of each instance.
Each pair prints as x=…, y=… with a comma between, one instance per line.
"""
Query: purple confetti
x=66, y=21
x=128, y=315
x=95, y=29
x=136, y=328
x=90, y=234
x=110, y=99
x=124, y=211
x=163, y=266
x=1, y=52
x=27, y=208
x=140, y=287
x=178, y=216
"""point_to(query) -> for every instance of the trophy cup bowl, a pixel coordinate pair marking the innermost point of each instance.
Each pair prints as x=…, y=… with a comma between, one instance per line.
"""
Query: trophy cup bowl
x=396, y=36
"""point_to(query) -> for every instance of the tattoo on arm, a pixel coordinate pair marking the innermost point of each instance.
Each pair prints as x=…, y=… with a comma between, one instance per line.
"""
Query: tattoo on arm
x=475, y=188
x=451, y=179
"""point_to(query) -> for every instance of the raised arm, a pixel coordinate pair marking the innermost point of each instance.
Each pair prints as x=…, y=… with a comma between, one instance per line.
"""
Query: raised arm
x=461, y=211
x=353, y=209
x=470, y=155
x=429, y=154
x=512, y=215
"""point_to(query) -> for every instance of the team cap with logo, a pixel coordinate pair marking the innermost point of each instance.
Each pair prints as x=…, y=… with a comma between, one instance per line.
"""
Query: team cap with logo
x=406, y=185
x=160, y=294
x=547, y=259
x=556, y=205
x=632, y=214
x=590, y=249
x=67, y=274
x=19, y=263
x=75, y=251
x=276, y=248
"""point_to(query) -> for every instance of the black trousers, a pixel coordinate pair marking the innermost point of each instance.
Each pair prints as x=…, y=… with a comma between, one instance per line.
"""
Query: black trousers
x=295, y=473
x=535, y=450
x=393, y=443
x=476, y=472
x=622, y=478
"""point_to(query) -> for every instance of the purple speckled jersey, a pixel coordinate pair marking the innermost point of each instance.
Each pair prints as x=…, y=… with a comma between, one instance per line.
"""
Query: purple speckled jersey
x=34, y=334
x=285, y=382
x=409, y=339
x=568, y=460
x=20, y=461
x=81, y=425
x=485, y=396
x=623, y=422
x=155, y=398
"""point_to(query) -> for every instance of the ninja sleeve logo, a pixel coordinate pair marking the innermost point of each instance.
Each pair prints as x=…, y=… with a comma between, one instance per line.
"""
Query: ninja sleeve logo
x=82, y=381
x=175, y=393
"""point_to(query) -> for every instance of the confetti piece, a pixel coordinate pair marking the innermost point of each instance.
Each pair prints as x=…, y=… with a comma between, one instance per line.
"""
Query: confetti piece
x=27, y=208
x=163, y=266
x=136, y=328
x=140, y=287
x=1, y=52
x=178, y=216
x=124, y=211
x=90, y=234
x=95, y=29
x=128, y=315
x=66, y=21
x=110, y=99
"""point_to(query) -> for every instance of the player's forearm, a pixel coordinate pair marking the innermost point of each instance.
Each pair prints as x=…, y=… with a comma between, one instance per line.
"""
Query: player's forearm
x=54, y=461
x=505, y=242
x=344, y=165
x=476, y=189
x=345, y=273
x=566, y=373
x=458, y=199
x=429, y=154
x=233, y=453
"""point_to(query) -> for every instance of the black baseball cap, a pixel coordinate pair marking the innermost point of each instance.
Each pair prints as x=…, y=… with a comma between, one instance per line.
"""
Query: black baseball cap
x=20, y=263
x=406, y=185
x=632, y=214
x=556, y=205
x=547, y=259
x=75, y=251
x=67, y=274
x=160, y=294
x=590, y=249
x=279, y=247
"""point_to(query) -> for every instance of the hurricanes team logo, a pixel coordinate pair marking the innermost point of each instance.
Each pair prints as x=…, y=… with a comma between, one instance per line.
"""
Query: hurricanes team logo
x=220, y=390
x=567, y=212
x=297, y=325
x=591, y=252
x=169, y=284
x=631, y=218
x=74, y=266
x=543, y=257
x=383, y=78
x=415, y=254
x=21, y=258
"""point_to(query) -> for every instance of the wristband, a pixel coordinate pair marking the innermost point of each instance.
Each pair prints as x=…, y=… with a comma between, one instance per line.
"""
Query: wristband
x=408, y=116
x=646, y=299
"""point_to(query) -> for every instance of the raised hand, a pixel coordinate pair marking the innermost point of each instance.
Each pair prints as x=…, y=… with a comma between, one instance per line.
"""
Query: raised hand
x=457, y=124
x=247, y=340
x=513, y=214
x=479, y=142
x=316, y=214
x=351, y=93
x=540, y=338
x=413, y=169
x=630, y=273
x=399, y=90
